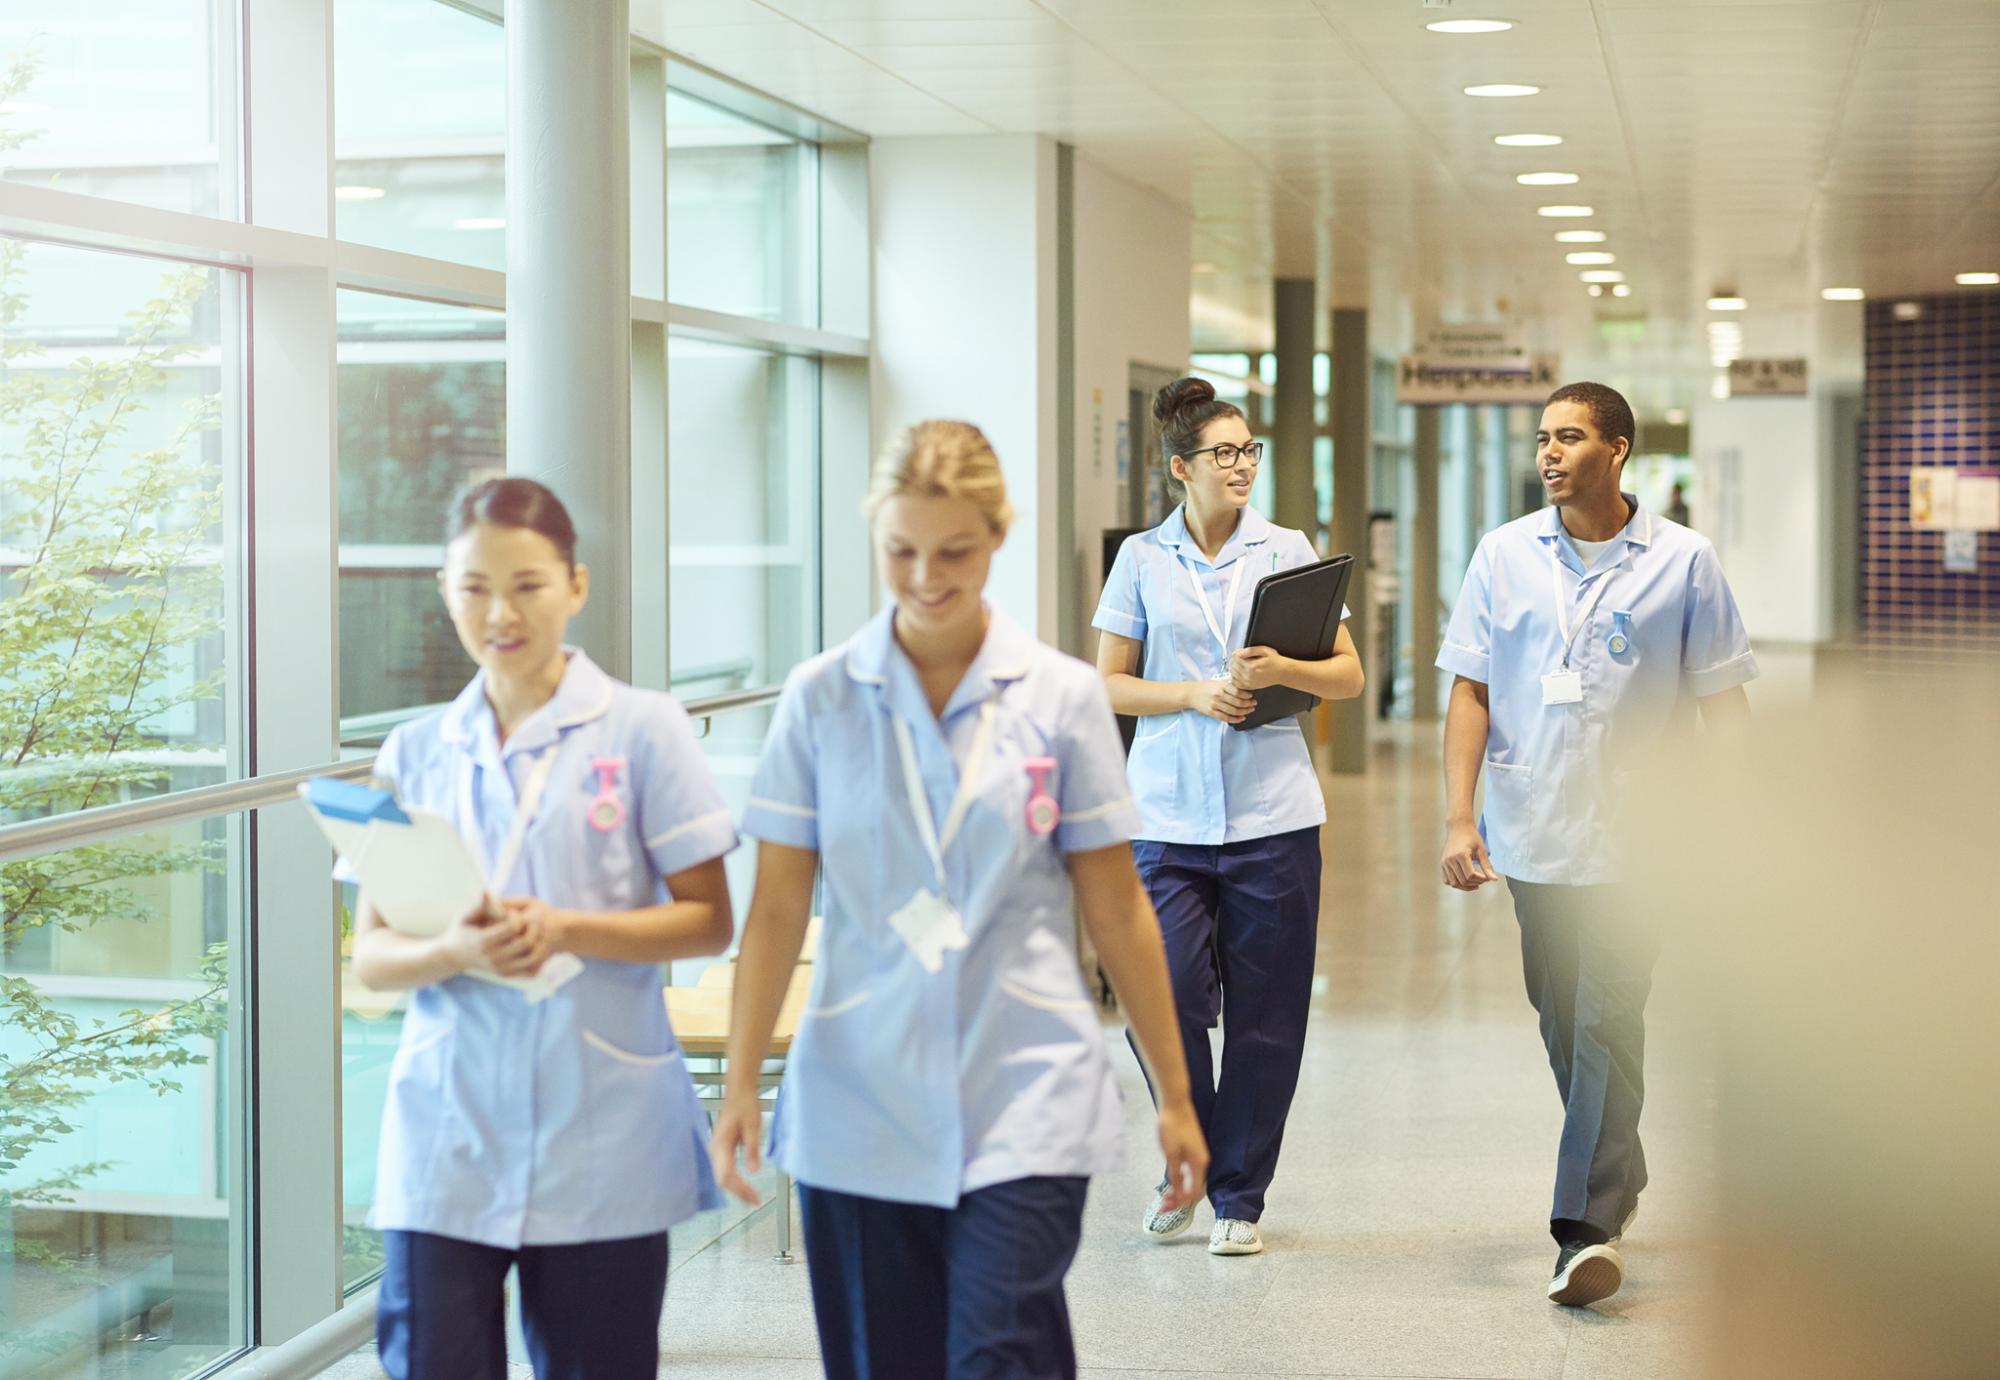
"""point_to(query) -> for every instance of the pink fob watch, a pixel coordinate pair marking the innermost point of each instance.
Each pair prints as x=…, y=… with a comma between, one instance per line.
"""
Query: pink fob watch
x=607, y=811
x=1043, y=812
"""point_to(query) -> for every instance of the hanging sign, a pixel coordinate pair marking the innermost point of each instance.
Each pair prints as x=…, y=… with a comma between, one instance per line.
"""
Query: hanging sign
x=1767, y=378
x=1423, y=379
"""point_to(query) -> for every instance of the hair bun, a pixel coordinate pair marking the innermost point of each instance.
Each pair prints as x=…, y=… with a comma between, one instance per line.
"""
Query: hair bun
x=1179, y=395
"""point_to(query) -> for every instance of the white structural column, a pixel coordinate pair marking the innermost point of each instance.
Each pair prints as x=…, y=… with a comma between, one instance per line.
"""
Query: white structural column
x=965, y=327
x=1348, y=412
x=1294, y=504
x=1423, y=592
x=569, y=271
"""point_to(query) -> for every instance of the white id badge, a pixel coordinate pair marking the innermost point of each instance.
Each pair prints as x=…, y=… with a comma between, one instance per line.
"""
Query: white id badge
x=929, y=925
x=1562, y=687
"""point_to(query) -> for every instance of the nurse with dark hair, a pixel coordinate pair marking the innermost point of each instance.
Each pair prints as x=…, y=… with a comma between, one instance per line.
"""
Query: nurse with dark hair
x=1228, y=841
x=552, y=1130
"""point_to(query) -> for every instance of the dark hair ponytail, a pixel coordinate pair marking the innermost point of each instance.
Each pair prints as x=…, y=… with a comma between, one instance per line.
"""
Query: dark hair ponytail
x=1182, y=409
x=514, y=502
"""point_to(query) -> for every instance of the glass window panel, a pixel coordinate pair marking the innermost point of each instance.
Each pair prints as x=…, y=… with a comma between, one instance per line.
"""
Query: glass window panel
x=120, y=436
x=123, y=1232
x=422, y=411
x=742, y=215
x=130, y=99
x=743, y=519
x=371, y=1024
x=420, y=116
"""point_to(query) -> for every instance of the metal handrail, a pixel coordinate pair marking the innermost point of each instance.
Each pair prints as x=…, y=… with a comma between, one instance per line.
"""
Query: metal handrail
x=33, y=837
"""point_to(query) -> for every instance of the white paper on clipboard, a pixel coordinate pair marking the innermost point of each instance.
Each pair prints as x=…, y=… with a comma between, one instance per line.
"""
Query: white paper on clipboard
x=421, y=876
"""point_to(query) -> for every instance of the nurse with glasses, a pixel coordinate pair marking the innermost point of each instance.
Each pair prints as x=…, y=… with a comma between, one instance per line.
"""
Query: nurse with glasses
x=957, y=788
x=1228, y=839
x=553, y=1131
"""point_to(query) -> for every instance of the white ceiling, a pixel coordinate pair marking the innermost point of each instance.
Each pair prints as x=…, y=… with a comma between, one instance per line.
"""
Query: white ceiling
x=1770, y=148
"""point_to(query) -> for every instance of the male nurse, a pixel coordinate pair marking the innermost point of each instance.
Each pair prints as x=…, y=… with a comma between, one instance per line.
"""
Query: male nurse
x=1585, y=637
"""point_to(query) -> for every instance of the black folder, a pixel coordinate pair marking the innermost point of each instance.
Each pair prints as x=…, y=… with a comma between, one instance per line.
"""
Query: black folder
x=1296, y=613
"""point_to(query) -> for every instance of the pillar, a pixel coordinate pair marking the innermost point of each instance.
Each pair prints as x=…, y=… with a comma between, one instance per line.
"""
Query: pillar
x=1294, y=503
x=1348, y=410
x=1423, y=589
x=569, y=274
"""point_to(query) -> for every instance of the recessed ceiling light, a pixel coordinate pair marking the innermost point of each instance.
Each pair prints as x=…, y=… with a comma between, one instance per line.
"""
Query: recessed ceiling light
x=1977, y=279
x=1622, y=290
x=1602, y=275
x=1908, y=311
x=1581, y=237
x=1470, y=26
x=1527, y=141
x=1677, y=416
x=356, y=193
x=1842, y=294
x=1547, y=179
x=480, y=223
x=1591, y=256
x=22, y=108
x=1597, y=289
x=1501, y=89
x=1728, y=304
x=1560, y=212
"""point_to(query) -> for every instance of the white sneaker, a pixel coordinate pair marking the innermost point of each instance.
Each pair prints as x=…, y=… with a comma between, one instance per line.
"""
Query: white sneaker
x=1235, y=1237
x=1161, y=1225
x=1626, y=1225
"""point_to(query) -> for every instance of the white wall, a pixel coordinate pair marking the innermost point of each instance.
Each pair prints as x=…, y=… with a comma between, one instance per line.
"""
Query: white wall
x=1134, y=262
x=1762, y=468
x=965, y=325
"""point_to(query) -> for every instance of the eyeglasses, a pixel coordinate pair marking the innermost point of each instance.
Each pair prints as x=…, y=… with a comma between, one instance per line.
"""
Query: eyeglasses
x=1225, y=457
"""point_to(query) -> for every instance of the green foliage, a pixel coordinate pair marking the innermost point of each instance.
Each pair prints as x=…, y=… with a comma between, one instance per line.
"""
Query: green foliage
x=116, y=584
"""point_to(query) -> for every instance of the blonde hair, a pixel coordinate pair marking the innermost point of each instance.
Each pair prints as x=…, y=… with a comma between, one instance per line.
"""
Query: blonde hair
x=941, y=459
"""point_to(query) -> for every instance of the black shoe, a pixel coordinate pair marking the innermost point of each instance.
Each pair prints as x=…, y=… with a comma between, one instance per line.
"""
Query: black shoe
x=1586, y=1274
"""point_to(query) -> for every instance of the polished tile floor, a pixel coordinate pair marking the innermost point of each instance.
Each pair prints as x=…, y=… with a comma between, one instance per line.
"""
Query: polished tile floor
x=1407, y=1228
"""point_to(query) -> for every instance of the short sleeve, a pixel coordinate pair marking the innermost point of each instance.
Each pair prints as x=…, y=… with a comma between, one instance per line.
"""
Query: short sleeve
x=388, y=767
x=784, y=794
x=1091, y=791
x=1120, y=609
x=1467, y=647
x=682, y=815
x=1715, y=646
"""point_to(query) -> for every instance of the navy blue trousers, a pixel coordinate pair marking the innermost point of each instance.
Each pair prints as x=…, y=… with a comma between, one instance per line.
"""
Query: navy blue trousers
x=590, y=1311
x=1241, y=923
x=902, y=1291
x=1588, y=961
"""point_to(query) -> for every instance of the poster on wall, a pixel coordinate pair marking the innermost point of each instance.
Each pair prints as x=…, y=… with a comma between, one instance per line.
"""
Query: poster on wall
x=1952, y=500
x=1961, y=552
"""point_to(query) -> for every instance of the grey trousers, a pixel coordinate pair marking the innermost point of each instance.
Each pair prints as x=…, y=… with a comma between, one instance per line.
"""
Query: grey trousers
x=1588, y=960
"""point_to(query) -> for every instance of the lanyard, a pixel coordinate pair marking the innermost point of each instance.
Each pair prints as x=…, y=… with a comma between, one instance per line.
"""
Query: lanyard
x=968, y=785
x=1229, y=608
x=1562, y=612
x=529, y=801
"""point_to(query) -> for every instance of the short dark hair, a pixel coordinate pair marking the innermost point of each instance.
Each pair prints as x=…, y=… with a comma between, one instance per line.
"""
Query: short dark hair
x=514, y=502
x=1182, y=409
x=1609, y=412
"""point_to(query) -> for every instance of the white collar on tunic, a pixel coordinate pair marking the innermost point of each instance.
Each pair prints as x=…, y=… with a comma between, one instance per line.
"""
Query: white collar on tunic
x=583, y=694
x=1252, y=529
x=873, y=658
x=1637, y=531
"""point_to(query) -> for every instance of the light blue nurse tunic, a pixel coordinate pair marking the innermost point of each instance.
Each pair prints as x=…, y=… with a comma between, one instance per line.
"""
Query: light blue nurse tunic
x=1196, y=779
x=1554, y=772
x=914, y=1085
x=571, y=1119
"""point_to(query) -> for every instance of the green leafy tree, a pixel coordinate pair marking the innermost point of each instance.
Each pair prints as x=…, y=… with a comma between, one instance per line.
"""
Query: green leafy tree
x=114, y=584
